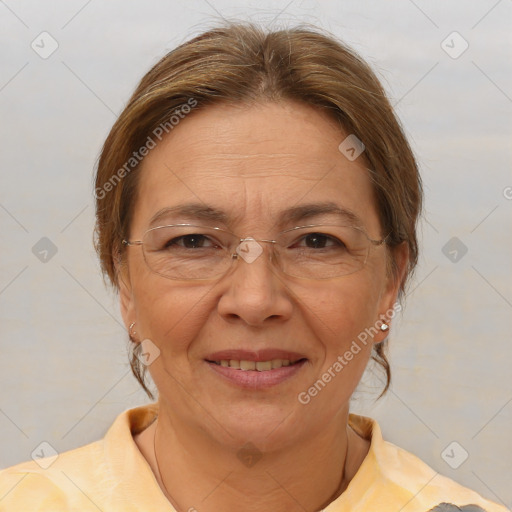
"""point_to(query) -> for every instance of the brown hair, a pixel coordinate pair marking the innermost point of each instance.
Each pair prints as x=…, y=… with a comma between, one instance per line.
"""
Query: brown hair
x=244, y=63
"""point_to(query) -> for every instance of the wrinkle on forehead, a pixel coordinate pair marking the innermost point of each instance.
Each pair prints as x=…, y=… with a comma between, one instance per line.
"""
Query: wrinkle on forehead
x=265, y=165
x=258, y=140
x=254, y=164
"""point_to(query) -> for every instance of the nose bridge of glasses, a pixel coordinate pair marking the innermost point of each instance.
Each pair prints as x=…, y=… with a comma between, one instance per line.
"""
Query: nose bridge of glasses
x=250, y=249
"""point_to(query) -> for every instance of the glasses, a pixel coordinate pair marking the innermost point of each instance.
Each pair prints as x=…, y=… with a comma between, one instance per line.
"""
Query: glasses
x=191, y=252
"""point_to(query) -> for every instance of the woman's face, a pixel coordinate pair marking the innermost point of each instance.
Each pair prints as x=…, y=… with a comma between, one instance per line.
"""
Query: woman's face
x=254, y=164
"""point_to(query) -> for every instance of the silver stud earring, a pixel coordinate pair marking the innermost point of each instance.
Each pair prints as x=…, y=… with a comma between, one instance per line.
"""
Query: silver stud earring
x=384, y=327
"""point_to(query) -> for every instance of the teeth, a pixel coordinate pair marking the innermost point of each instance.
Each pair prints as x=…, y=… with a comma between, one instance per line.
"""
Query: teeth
x=260, y=366
x=247, y=365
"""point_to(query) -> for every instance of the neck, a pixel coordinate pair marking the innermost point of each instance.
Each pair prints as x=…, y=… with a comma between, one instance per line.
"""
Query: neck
x=196, y=473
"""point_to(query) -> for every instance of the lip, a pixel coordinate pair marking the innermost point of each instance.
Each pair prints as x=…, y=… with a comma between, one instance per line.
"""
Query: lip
x=252, y=379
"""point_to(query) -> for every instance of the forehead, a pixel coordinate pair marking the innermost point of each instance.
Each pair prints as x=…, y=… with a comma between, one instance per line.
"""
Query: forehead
x=254, y=162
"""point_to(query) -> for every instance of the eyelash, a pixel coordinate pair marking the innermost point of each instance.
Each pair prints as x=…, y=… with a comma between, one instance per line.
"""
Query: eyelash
x=326, y=237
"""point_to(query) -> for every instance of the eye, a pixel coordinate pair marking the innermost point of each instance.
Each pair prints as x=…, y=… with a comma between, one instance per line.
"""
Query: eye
x=320, y=241
x=191, y=241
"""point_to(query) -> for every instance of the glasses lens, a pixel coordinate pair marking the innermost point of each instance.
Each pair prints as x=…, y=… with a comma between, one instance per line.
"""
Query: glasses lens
x=321, y=252
x=187, y=252
x=196, y=252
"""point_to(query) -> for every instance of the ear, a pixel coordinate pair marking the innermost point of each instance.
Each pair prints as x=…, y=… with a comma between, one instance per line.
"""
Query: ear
x=126, y=301
x=389, y=295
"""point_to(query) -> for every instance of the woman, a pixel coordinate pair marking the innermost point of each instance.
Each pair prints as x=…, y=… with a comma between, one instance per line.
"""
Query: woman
x=256, y=209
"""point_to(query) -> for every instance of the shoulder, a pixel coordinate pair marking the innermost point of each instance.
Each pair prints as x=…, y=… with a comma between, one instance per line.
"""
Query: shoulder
x=51, y=483
x=402, y=478
x=96, y=476
x=431, y=488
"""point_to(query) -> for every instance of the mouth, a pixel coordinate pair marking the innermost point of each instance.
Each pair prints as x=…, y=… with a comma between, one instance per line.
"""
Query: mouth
x=258, y=366
x=256, y=370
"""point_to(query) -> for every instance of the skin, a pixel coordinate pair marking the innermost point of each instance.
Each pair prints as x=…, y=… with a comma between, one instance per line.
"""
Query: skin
x=254, y=162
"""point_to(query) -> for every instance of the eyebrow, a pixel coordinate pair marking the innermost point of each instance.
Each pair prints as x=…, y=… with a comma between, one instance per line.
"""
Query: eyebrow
x=194, y=210
x=204, y=212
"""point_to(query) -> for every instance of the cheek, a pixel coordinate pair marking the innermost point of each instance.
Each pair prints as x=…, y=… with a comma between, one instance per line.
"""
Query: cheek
x=340, y=311
x=338, y=317
x=171, y=316
x=169, y=313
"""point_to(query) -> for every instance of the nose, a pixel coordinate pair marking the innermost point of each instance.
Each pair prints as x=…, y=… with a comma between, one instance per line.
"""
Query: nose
x=254, y=291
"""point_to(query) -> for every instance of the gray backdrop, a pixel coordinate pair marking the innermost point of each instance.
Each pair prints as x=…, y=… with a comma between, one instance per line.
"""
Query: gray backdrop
x=64, y=373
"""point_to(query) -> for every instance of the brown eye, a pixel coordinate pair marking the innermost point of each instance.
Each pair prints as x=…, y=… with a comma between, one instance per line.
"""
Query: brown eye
x=192, y=241
x=320, y=241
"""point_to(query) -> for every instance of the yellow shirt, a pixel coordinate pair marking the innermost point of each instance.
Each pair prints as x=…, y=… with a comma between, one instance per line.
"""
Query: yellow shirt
x=112, y=475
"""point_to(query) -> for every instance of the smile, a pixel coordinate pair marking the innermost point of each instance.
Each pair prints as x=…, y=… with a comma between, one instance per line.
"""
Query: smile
x=259, y=366
x=256, y=375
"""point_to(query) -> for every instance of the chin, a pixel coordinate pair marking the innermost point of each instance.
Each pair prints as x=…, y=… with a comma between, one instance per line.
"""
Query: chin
x=267, y=426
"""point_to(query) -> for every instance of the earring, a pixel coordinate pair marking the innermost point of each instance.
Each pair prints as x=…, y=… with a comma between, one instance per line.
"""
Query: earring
x=130, y=333
x=384, y=327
